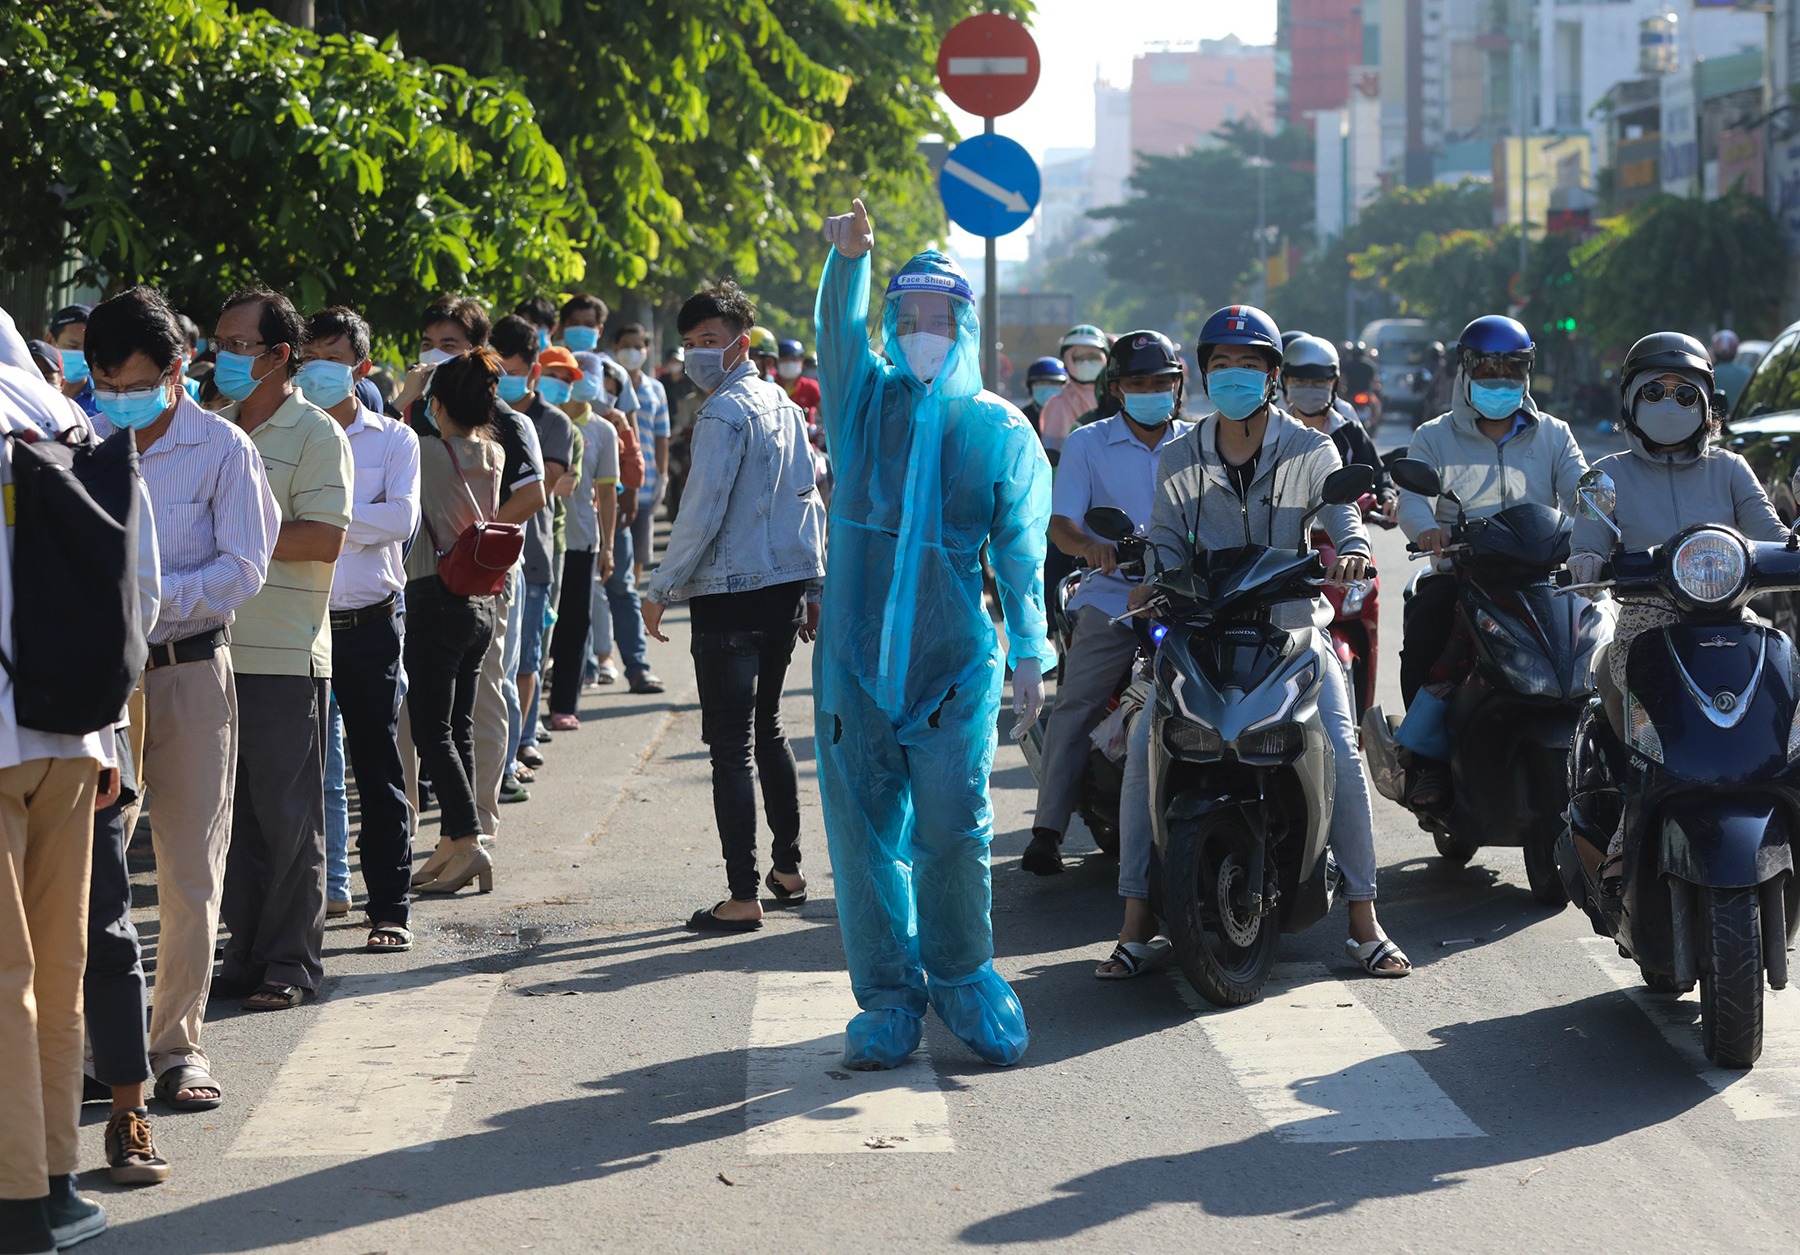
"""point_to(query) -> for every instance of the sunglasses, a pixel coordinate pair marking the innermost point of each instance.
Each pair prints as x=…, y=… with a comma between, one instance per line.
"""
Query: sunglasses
x=1686, y=394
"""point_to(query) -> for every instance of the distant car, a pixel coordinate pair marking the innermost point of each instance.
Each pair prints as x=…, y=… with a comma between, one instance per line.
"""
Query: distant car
x=1409, y=357
x=1765, y=429
x=1750, y=352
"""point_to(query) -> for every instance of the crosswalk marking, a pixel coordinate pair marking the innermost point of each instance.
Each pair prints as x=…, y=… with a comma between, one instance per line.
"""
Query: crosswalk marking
x=1768, y=1091
x=377, y=1071
x=1319, y=1067
x=801, y=1100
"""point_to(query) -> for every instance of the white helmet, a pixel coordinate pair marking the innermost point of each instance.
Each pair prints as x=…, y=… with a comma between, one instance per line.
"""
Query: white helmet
x=1309, y=357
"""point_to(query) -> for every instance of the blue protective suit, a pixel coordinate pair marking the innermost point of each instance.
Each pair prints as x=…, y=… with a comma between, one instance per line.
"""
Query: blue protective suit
x=908, y=671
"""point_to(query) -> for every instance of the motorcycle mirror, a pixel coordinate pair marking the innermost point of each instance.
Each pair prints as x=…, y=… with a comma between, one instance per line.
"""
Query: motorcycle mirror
x=1346, y=485
x=1598, y=499
x=1416, y=475
x=1109, y=523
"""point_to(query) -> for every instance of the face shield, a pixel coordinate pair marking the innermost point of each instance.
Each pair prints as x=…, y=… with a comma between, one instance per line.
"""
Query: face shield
x=929, y=327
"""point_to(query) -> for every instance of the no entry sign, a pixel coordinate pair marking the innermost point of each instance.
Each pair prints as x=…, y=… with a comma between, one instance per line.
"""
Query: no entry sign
x=988, y=64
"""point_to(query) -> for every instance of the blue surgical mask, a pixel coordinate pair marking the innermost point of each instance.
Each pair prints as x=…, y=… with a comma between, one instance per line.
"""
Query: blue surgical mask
x=543, y=339
x=555, y=391
x=1496, y=400
x=325, y=383
x=581, y=339
x=75, y=367
x=1150, y=409
x=514, y=387
x=1237, y=391
x=585, y=389
x=232, y=374
x=133, y=409
x=1041, y=393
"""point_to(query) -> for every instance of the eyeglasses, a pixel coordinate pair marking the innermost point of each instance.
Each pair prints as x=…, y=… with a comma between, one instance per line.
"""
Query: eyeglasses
x=1686, y=394
x=240, y=347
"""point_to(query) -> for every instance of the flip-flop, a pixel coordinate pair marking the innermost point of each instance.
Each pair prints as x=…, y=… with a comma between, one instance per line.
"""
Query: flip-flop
x=784, y=896
x=187, y=1076
x=390, y=930
x=1136, y=957
x=704, y=921
x=1371, y=954
x=277, y=997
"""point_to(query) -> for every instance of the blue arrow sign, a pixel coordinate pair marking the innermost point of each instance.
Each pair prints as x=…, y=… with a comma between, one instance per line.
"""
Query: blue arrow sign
x=990, y=185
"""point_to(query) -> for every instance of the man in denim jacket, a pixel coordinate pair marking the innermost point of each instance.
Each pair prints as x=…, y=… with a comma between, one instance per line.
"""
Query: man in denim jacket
x=747, y=552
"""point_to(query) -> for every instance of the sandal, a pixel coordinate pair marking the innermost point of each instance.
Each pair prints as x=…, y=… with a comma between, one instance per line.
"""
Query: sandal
x=274, y=996
x=785, y=896
x=402, y=935
x=564, y=723
x=704, y=921
x=1372, y=954
x=1136, y=957
x=524, y=774
x=187, y=1076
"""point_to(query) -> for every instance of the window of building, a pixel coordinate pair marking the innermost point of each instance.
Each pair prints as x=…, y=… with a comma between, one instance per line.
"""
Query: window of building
x=1168, y=70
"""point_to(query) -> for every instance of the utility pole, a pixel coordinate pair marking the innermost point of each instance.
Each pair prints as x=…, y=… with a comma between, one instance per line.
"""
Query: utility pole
x=1521, y=84
x=990, y=305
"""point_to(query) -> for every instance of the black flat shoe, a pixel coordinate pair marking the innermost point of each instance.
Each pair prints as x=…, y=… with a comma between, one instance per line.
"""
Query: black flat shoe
x=704, y=921
x=1043, y=857
x=784, y=896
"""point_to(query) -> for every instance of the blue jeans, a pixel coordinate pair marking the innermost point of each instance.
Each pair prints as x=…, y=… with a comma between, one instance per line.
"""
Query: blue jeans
x=337, y=810
x=617, y=617
x=532, y=616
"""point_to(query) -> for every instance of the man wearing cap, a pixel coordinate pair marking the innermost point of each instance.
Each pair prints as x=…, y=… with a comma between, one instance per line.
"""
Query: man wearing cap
x=802, y=391
x=68, y=332
x=1083, y=350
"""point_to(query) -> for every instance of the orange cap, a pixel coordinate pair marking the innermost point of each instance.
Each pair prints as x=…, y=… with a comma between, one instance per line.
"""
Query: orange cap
x=557, y=355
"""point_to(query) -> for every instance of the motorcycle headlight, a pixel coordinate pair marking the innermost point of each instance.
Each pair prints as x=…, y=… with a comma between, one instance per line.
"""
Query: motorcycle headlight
x=1494, y=630
x=1642, y=733
x=1710, y=566
x=1283, y=742
x=1191, y=740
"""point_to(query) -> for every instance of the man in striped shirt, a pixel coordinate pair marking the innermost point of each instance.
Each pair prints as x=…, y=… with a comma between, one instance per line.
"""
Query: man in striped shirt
x=281, y=647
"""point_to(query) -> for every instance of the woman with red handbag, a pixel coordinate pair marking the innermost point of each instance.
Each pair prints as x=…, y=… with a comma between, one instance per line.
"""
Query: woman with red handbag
x=457, y=563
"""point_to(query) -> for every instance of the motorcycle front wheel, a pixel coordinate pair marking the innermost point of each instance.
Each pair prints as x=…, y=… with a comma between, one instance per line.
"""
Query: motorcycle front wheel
x=1549, y=799
x=1731, y=977
x=1226, y=949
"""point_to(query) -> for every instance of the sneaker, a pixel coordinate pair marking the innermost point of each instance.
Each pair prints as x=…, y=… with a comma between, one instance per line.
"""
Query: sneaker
x=130, y=1153
x=528, y=754
x=72, y=1218
x=511, y=790
x=646, y=683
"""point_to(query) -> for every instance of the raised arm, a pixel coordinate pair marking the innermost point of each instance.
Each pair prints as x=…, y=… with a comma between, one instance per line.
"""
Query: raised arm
x=841, y=314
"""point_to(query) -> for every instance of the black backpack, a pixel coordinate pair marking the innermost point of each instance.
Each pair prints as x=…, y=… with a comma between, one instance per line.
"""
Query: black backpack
x=78, y=642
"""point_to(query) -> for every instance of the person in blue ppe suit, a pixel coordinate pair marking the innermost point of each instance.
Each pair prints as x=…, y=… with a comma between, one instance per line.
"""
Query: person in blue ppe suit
x=909, y=669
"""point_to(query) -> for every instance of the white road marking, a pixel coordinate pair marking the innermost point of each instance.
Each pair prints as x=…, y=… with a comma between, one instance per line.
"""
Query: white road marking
x=1768, y=1091
x=376, y=1072
x=1319, y=1067
x=800, y=1098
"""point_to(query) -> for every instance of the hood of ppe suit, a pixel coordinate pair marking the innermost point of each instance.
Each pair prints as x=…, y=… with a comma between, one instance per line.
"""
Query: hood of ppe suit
x=926, y=474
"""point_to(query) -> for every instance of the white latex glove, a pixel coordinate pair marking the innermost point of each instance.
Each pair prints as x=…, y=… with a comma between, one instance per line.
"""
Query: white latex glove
x=851, y=234
x=1585, y=567
x=1028, y=696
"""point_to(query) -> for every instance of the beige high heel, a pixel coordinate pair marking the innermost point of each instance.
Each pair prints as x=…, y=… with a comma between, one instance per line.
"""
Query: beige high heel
x=468, y=861
x=440, y=858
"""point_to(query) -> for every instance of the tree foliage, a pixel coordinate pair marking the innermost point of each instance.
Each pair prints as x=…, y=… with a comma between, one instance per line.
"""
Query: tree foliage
x=182, y=143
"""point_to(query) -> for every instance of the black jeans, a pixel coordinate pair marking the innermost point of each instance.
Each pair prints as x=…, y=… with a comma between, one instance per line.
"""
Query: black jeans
x=568, y=643
x=739, y=675
x=365, y=676
x=446, y=638
x=113, y=985
x=1429, y=620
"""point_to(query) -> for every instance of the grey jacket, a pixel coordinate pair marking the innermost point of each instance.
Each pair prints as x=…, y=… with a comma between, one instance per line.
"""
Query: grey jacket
x=1659, y=494
x=1197, y=508
x=750, y=513
x=1542, y=463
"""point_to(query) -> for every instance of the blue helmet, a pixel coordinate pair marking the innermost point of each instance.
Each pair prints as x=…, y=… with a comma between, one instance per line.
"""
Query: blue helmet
x=1495, y=336
x=789, y=348
x=1046, y=368
x=1240, y=324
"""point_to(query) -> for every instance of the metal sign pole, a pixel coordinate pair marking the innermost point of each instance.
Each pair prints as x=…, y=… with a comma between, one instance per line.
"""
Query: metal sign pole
x=990, y=306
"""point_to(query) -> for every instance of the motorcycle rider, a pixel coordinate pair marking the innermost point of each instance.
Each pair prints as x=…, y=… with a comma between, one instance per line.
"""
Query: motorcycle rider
x=1044, y=378
x=765, y=351
x=1360, y=375
x=1112, y=462
x=1083, y=351
x=1493, y=449
x=1309, y=383
x=1246, y=475
x=1730, y=374
x=1670, y=476
x=789, y=368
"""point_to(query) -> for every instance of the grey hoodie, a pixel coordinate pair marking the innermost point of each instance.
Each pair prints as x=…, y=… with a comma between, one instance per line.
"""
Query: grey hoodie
x=1197, y=508
x=1661, y=493
x=1542, y=463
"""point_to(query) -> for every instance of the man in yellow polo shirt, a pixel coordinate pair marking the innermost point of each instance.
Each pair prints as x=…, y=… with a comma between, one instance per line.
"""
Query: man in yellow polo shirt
x=281, y=652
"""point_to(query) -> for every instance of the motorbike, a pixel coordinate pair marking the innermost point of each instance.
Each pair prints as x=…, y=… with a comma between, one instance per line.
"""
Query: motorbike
x=1241, y=775
x=1103, y=775
x=1526, y=667
x=1356, y=614
x=1694, y=764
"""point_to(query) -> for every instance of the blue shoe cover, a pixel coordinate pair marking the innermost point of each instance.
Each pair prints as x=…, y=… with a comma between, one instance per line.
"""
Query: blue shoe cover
x=882, y=1038
x=985, y=1013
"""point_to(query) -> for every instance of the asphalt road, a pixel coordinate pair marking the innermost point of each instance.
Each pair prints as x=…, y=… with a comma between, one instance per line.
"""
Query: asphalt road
x=560, y=1066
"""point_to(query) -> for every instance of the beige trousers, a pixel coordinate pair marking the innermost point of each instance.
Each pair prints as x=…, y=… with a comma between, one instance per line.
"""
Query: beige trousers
x=188, y=770
x=46, y=854
x=493, y=731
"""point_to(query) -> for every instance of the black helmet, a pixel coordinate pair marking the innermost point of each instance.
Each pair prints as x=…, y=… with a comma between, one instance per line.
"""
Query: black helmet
x=1659, y=353
x=1138, y=355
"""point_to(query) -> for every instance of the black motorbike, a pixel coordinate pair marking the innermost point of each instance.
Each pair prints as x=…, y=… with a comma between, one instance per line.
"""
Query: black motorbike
x=1241, y=767
x=1526, y=662
x=1103, y=774
x=1695, y=758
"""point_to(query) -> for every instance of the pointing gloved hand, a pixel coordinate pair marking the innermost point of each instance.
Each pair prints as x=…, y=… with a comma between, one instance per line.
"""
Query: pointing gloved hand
x=1028, y=696
x=851, y=234
x=1584, y=568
